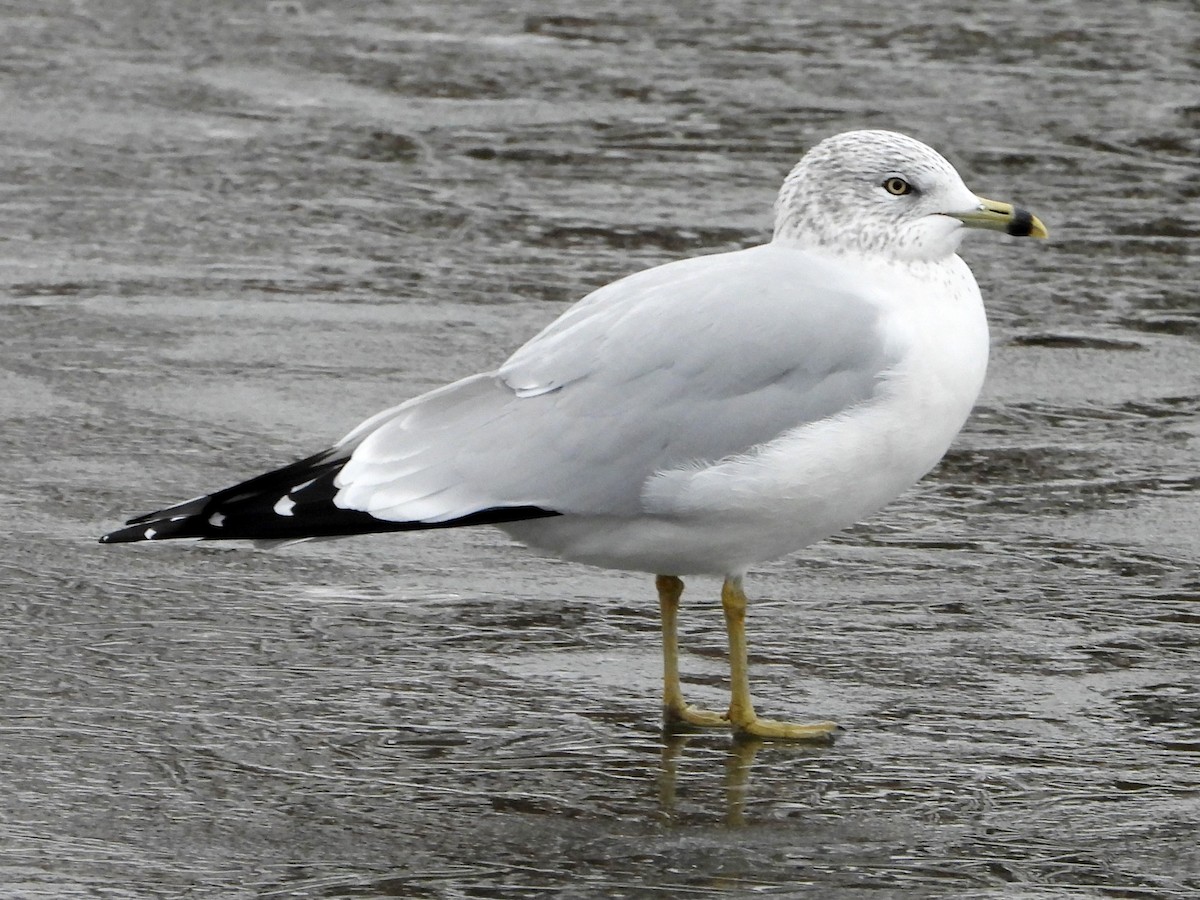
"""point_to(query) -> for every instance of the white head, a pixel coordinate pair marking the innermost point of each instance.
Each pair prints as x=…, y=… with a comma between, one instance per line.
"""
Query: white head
x=879, y=192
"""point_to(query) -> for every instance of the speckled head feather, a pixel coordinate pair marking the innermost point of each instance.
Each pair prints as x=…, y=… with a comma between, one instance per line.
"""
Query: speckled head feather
x=835, y=198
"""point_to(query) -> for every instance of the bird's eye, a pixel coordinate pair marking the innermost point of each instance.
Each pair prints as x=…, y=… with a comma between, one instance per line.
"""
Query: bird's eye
x=897, y=186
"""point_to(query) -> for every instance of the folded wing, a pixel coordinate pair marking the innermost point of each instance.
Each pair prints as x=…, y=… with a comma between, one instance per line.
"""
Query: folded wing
x=638, y=378
x=676, y=367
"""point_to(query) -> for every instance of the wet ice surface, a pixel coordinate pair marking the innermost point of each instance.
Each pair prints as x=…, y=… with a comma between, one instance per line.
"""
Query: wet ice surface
x=234, y=232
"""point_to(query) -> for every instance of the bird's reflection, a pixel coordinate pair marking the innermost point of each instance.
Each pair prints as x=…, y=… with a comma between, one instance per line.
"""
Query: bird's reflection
x=739, y=760
x=738, y=763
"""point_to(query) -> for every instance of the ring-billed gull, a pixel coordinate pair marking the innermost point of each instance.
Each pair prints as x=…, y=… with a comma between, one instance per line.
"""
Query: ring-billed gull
x=695, y=418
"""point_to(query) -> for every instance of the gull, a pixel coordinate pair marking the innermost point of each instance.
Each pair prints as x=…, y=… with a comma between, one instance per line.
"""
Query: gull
x=696, y=418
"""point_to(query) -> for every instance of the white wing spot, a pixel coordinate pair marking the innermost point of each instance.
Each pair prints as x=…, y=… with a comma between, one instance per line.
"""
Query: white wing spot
x=284, y=506
x=149, y=534
x=216, y=520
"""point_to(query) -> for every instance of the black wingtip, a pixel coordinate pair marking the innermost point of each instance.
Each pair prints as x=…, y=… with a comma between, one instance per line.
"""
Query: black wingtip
x=124, y=536
x=288, y=504
x=147, y=528
x=344, y=523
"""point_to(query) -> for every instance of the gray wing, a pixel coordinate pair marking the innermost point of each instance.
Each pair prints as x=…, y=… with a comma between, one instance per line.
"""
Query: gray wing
x=678, y=366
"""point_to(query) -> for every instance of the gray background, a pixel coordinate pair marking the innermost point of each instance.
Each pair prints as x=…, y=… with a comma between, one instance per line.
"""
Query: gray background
x=233, y=230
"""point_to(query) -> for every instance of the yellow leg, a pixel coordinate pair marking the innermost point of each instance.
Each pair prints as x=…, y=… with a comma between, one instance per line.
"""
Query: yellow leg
x=741, y=708
x=675, y=709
